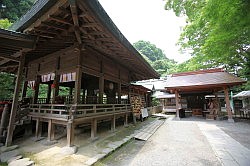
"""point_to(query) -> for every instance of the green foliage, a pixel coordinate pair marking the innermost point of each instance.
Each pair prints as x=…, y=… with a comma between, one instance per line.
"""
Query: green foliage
x=155, y=57
x=5, y=23
x=218, y=33
x=7, y=85
x=15, y=8
x=155, y=101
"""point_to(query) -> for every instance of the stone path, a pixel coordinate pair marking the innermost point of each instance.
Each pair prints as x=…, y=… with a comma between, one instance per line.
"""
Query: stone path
x=229, y=151
x=147, y=131
x=12, y=156
x=176, y=143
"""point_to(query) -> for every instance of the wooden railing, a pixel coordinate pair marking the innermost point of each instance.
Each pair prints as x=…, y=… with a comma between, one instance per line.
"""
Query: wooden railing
x=67, y=112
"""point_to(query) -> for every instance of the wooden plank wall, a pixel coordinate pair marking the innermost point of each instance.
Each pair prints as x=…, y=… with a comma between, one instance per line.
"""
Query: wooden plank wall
x=66, y=61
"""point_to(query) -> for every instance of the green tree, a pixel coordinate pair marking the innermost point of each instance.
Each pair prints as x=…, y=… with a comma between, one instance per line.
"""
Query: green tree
x=6, y=85
x=217, y=32
x=15, y=8
x=5, y=23
x=155, y=57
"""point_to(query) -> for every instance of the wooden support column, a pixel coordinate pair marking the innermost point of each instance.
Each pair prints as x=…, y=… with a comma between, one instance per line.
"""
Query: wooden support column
x=36, y=90
x=51, y=130
x=126, y=120
x=55, y=90
x=78, y=82
x=70, y=133
x=229, y=110
x=93, y=128
x=48, y=94
x=101, y=88
x=177, y=104
x=113, y=123
x=119, y=92
x=4, y=119
x=24, y=90
x=38, y=133
x=15, y=100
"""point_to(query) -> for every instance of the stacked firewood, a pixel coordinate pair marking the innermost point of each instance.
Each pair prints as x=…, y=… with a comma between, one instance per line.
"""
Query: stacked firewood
x=136, y=104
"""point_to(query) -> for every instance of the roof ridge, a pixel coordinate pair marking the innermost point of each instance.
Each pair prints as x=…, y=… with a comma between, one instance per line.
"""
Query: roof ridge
x=216, y=70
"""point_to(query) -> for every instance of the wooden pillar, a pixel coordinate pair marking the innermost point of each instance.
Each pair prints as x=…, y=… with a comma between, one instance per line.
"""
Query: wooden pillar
x=101, y=89
x=78, y=82
x=38, y=133
x=229, y=110
x=177, y=104
x=93, y=128
x=15, y=101
x=24, y=90
x=55, y=90
x=113, y=123
x=119, y=92
x=70, y=133
x=51, y=130
x=36, y=89
x=48, y=94
x=126, y=120
x=71, y=91
x=4, y=119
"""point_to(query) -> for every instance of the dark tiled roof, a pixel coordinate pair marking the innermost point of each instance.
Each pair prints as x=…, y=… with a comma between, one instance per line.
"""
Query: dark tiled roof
x=203, y=78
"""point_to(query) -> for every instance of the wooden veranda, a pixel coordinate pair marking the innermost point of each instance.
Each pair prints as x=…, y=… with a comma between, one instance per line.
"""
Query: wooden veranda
x=72, y=44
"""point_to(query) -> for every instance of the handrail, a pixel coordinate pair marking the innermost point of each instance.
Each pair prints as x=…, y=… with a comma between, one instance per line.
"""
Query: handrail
x=77, y=110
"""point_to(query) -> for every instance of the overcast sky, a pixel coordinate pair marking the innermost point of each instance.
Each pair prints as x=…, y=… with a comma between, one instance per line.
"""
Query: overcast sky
x=147, y=20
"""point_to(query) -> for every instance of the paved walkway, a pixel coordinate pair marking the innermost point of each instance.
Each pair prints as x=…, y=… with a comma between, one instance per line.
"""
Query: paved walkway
x=176, y=143
x=228, y=150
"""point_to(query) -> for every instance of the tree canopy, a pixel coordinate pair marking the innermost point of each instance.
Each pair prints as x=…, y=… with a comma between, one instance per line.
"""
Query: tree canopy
x=14, y=9
x=217, y=32
x=156, y=57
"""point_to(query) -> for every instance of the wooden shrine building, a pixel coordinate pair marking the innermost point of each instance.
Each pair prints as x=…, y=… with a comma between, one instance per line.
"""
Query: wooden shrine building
x=72, y=44
x=190, y=88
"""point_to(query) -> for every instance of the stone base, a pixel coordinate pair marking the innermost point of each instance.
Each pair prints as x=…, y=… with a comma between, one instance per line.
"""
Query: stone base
x=177, y=118
x=68, y=150
x=231, y=120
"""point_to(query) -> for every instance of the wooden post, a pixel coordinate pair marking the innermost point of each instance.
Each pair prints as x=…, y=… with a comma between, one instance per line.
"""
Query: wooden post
x=55, y=90
x=113, y=123
x=48, y=94
x=15, y=101
x=38, y=128
x=93, y=128
x=70, y=133
x=36, y=93
x=101, y=89
x=4, y=119
x=126, y=120
x=51, y=130
x=24, y=91
x=119, y=92
x=229, y=112
x=78, y=82
x=177, y=104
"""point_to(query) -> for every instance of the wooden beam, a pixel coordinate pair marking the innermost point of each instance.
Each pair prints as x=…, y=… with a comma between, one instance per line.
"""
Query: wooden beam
x=49, y=25
x=60, y=20
x=15, y=101
x=10, y=58
x=73, y=9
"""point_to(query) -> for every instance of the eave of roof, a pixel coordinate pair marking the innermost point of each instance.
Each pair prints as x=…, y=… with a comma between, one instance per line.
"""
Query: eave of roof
x=42, y=6
x=202, y=81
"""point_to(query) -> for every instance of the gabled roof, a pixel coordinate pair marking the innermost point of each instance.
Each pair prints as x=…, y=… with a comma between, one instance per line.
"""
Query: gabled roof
x=213, y=79
x=61, y=24
x=11, y=44
x=243, y=94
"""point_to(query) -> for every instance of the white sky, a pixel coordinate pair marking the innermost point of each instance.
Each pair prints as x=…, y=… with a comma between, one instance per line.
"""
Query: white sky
x=147, y=20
